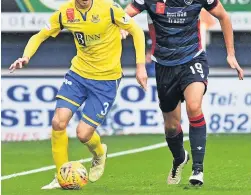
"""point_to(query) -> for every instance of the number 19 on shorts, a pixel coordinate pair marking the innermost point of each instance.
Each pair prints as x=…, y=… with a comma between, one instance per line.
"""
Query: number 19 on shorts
x=197, y=67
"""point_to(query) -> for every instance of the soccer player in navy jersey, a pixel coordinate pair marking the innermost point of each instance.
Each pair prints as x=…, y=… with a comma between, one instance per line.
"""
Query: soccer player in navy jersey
x=182, y=71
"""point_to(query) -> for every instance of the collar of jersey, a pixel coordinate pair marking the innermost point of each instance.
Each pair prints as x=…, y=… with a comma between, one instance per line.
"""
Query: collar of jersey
x=84, y=15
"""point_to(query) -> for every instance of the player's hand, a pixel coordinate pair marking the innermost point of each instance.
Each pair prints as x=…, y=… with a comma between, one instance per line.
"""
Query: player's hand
x=141, y=76
x=18, y=64
x=234, y=65
x=123, y=33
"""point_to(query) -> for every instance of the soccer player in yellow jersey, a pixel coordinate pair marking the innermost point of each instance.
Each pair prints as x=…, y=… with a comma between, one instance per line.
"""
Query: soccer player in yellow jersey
x=94, y=75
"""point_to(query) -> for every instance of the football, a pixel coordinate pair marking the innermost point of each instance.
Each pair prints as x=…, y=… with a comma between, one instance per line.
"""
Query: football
x=72, y=175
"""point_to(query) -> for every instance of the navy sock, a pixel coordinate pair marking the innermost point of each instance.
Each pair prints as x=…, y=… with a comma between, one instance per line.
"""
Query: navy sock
x=174, y=141
x=197, y=136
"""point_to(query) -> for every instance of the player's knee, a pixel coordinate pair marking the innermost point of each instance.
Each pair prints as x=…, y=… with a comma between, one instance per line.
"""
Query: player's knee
x=84, y=134
x=194, y=109
x=171, y=128
x=58, y=124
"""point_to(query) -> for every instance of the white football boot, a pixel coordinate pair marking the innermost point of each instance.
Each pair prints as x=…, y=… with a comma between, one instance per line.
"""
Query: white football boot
x=98, y=166
x=53, y=185
x=174, y=176
x=196, y=178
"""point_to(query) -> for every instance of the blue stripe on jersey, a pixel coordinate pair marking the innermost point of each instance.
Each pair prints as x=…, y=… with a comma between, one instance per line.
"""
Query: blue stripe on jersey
x=177, y=37
x=174, y=57
x=112, y=15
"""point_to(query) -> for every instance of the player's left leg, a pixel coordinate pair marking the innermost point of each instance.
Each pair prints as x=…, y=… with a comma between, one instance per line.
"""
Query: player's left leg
x=170, y=96
x=193, y=83
x=197, y=130
x=101, y=95
x=70, y=96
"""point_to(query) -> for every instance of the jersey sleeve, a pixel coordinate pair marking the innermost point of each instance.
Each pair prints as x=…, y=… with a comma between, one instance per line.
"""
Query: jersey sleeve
x=120, y=17
x=210, y=4
x=54, y=25
x=52, y=28
x=124, y=21
x=139, y=5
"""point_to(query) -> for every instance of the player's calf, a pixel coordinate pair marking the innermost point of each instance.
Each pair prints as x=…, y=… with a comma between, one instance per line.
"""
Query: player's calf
x=197, y=136
x=174, y=138
x=87, y=135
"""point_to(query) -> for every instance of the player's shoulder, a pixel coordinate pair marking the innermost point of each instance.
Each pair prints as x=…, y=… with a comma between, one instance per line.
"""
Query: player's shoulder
x=200, y=1
x=66, y=5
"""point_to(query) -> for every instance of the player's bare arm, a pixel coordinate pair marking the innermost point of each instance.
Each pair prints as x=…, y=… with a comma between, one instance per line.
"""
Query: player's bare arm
x=220, y=13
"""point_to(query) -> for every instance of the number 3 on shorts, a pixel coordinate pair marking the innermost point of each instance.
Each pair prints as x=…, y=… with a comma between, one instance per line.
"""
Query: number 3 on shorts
x=198, y=67
x=106, y=106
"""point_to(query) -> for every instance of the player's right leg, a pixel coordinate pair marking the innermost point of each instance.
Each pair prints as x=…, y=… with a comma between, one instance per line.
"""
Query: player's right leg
x=70, y=96
x=170, y=96
x=197, y=129
x=59, y=141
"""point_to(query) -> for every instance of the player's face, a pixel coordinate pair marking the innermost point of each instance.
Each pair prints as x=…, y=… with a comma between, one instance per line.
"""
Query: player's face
x=83, y=3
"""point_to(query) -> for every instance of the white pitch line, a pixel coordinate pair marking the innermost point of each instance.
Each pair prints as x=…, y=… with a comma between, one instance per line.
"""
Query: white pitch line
x=112, y=155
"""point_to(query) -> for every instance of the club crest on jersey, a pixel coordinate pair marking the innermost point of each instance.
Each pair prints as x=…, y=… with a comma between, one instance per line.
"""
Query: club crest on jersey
x=70, y=14
x=95, y=18
x=188, y=2
x=160, y=8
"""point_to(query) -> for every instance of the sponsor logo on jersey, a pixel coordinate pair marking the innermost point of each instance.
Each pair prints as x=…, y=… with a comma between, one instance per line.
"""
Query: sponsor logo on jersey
x=91, y=38
x=73, y=21
x=160, y=8
x=84, y=39
x=188, y=2
x=95, y=18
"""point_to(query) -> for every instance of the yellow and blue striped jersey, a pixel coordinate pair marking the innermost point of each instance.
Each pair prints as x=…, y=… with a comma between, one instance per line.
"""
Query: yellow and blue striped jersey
x=97, y=37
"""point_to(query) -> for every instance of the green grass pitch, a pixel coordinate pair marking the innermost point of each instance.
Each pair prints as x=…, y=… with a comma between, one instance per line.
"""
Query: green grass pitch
x=227, y=167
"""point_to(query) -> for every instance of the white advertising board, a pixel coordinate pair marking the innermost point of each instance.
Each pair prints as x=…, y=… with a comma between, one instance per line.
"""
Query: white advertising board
x=13, y=22
x=28, y=104
x=26, y=22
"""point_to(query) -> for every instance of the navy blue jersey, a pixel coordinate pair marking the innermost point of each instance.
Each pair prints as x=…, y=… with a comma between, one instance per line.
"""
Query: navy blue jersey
x=176, y=28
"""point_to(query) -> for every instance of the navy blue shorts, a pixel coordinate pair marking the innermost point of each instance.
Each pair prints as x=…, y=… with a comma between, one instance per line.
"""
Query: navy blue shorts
x=173, y=80
x=98, y=97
